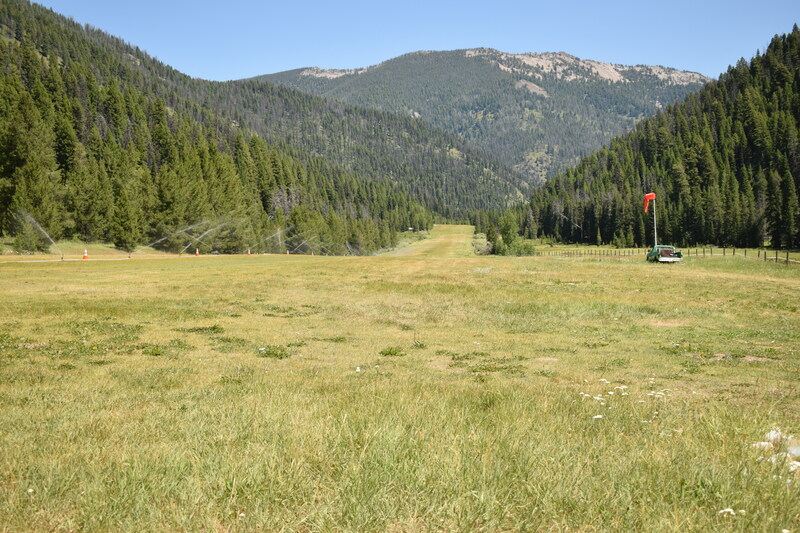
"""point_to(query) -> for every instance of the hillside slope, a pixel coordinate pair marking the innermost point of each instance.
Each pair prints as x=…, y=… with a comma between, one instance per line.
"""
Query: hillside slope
x=100, y=142
x=535, y=112
x=724, y=164
x=439, y=169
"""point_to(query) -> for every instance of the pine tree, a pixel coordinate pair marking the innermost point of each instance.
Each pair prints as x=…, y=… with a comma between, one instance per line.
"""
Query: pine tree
x=125, y=229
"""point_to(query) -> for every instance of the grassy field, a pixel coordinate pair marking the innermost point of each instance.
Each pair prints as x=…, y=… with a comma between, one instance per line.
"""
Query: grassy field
x=424, y=390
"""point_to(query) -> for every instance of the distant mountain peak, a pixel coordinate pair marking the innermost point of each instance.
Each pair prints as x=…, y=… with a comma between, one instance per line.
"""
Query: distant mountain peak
x=330, y=74
x=569, y=67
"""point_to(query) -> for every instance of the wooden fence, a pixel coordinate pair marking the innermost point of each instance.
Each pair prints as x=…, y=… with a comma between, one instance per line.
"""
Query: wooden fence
x=777, y=256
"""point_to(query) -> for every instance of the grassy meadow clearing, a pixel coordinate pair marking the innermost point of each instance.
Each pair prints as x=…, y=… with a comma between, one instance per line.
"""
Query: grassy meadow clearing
x=423, y=390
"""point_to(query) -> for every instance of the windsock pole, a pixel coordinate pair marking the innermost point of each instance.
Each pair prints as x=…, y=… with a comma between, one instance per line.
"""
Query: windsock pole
x=651, y=197
x=655, y=228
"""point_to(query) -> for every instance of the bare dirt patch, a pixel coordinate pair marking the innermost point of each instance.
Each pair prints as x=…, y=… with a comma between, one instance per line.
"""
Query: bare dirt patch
x=723, y=356
x=667, y=323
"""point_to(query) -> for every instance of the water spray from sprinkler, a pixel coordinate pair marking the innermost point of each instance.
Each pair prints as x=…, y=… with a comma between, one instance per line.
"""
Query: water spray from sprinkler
x=40, y=229
x=199, y=237
x=184, y=230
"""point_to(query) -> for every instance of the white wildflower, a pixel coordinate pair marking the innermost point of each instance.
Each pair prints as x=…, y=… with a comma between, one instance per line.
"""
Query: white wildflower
x=774, y=436
x=597, y=416
x=779, y=457
x=763, y=445
x=727, y=512
x=358, y=369
x=30, y=491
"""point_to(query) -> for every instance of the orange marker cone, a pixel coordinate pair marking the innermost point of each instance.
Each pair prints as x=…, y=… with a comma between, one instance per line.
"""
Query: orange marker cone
x=287, y=252
x=85, y=254
x=197, y=252
x=248, y=251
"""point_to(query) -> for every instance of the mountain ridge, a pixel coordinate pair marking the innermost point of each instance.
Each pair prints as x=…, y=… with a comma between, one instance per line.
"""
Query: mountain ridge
x=545, y=60
x=536, y=113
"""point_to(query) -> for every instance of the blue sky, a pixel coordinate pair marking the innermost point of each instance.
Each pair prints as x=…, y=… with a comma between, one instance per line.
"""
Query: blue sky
x=239, y=39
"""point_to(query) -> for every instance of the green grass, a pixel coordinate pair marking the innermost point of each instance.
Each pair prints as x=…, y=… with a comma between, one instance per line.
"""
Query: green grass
x=135, y=394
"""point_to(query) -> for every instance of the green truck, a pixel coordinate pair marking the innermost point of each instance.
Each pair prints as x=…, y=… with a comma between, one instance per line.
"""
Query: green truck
x=662, y=253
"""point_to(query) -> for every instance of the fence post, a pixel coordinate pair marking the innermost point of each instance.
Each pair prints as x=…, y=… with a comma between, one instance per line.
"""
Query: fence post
x=787, y=257
x=759, y=253
x=776, y=257
x=704, y=251
x=723, y=251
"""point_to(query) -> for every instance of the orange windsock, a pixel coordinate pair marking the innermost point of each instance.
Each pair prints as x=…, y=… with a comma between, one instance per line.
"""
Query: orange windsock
x=647, y=197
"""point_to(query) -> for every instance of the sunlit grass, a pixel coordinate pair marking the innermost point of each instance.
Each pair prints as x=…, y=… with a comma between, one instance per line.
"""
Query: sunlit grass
x=397, y=393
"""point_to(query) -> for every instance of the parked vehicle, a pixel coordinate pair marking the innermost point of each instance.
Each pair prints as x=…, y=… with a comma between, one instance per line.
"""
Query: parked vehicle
x=663, y=253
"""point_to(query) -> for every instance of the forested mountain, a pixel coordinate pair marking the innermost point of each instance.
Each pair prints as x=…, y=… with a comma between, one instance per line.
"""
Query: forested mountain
x=101, y=142
x=724, y=164
x=439, y=169
x=537, y=113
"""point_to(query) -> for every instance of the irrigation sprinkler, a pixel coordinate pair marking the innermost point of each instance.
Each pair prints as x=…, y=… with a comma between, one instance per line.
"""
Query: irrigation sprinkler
x=184, y=230
x=278, y=235
x=199, y=237
x=40, y=229
x=304, y=242
x=580, y=227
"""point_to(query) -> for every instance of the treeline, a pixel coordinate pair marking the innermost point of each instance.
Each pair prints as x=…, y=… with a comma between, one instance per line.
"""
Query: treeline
x=724, y=165
x=107, y=161
x=437, y=168
x=440, y=170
